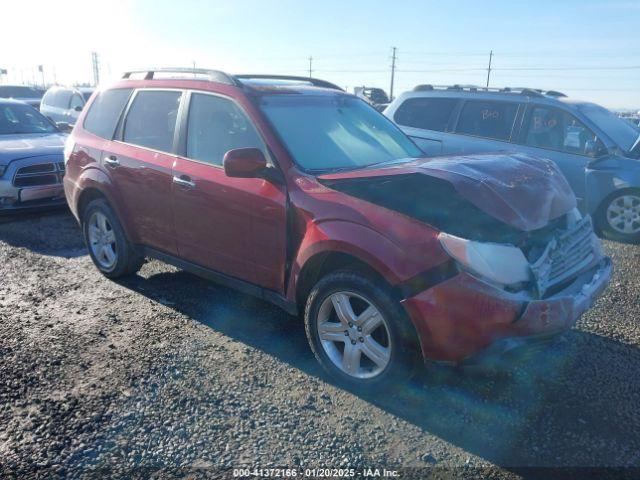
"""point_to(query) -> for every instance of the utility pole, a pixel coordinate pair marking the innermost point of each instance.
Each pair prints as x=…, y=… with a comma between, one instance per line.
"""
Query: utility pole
x=96, y=68
x=310, y=66
x=194, y=69
x=393, y=72
x=489, y=69
x=41, y=70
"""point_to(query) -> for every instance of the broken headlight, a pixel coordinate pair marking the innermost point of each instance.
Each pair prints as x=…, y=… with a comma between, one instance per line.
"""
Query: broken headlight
x=499, y=263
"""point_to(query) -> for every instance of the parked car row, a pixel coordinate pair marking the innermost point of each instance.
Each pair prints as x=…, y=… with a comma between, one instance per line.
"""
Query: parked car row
x=31, y=161
x=29, y=95
x=64, y=104
x=597, y=151
x=294, y=191
x=60, y=104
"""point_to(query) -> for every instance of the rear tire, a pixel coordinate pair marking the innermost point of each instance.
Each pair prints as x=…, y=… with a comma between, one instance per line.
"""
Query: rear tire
x=104, y=237
x=368, y=345
x=618, y=217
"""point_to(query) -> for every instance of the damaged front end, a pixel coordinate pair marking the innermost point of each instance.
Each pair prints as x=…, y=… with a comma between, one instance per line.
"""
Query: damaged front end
x=528, y=264
x=510, y=295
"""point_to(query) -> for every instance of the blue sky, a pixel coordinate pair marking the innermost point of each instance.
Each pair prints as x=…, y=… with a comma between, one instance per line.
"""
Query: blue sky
x=588, y=49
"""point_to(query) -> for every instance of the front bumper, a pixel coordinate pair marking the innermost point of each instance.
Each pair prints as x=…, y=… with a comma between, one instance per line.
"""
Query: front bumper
x=463, y=316
x=32, y=193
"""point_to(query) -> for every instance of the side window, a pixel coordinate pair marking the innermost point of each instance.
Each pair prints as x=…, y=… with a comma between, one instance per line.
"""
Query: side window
x=216, y=125
x=427, y=113
x=151, y=120
x=488, y=119
x=76, y=101
x=62, y=99
x=554, y=129
x=104, y=113
x=49, y=98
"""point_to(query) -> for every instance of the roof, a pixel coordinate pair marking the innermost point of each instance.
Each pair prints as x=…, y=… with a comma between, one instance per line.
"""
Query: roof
x=531, y=92
x=468, y=92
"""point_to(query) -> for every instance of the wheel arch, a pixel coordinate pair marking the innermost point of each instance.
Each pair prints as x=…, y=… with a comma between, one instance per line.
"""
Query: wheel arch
x=325, y=262
x=95, y=184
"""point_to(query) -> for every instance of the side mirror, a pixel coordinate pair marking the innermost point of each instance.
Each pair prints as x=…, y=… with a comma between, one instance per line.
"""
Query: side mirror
x=594, y=149
x=64, y=126
x=78, y=108
x=244, y=163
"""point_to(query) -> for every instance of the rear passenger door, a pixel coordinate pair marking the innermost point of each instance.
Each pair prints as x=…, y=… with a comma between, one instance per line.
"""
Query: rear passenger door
x=140, y=161
x=236, y=226
x=484, y=126
x=426, y=120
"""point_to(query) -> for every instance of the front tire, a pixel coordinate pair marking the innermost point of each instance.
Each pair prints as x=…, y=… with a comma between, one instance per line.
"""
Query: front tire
x=619, y=216
x=359, y=333
x=104, y=237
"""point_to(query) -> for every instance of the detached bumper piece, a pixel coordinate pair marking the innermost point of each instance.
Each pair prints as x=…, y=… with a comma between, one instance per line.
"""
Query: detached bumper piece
x=459, y=318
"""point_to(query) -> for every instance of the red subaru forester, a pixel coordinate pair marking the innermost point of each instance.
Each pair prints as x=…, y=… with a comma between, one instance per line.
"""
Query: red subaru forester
x=294, y=191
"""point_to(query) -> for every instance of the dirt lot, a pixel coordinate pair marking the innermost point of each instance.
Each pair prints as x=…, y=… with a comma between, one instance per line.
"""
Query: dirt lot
x=167, y=371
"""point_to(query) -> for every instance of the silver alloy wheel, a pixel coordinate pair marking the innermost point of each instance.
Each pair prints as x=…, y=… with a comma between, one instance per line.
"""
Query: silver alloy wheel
x=102, y=240
x=359, y=344
x=623, y=214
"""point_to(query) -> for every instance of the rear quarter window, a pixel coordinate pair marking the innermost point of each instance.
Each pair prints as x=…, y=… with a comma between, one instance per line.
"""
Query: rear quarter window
x=426, y=113
x=487, y=119
x=104, y=112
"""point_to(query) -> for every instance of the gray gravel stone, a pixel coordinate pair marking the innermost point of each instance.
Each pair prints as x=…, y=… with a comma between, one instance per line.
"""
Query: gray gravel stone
x=164, y=370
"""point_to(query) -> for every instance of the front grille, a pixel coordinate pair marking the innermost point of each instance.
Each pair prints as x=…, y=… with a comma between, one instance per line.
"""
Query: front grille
x=40, y=174
x=565, y=256
x=41, y=168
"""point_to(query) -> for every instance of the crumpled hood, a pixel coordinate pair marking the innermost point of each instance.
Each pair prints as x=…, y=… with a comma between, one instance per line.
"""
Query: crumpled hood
x=522, y=191
x=14, y=147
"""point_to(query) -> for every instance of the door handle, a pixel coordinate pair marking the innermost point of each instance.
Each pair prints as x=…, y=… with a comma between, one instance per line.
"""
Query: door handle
x=111, y=161
x=184, y=181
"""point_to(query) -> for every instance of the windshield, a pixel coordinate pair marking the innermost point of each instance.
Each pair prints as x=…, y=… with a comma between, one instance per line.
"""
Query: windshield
x=17, y=118
x=19, y=92
x=623, y=133
x=328, y=132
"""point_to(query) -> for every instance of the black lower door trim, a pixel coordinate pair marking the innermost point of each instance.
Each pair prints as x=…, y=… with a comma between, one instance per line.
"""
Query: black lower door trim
x=223, y=279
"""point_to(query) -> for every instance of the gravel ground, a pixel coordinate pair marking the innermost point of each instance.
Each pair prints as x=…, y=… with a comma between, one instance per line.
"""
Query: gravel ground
x=168, y=372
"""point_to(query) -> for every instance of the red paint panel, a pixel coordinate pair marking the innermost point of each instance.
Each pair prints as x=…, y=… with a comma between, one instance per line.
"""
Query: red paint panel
x=144, y=183
x=463, y=315
x=236, y=226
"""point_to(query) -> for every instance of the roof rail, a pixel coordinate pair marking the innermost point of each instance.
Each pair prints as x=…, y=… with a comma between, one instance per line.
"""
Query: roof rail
x=532, y=92
x=554, y=93
x=212, y=75
x=316, y=82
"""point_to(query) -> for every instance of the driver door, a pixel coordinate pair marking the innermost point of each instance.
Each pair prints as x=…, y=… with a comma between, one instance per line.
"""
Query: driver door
x=552, y=133
x=235, y=226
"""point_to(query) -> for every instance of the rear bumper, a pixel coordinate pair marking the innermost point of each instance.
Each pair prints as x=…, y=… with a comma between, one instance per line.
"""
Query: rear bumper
x=459, y=318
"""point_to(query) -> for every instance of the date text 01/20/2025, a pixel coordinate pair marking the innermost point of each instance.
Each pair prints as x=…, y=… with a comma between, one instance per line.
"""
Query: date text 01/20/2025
x=314, y=473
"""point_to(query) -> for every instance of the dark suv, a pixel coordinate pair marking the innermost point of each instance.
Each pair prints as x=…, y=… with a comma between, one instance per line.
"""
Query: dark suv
x=296, y=192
